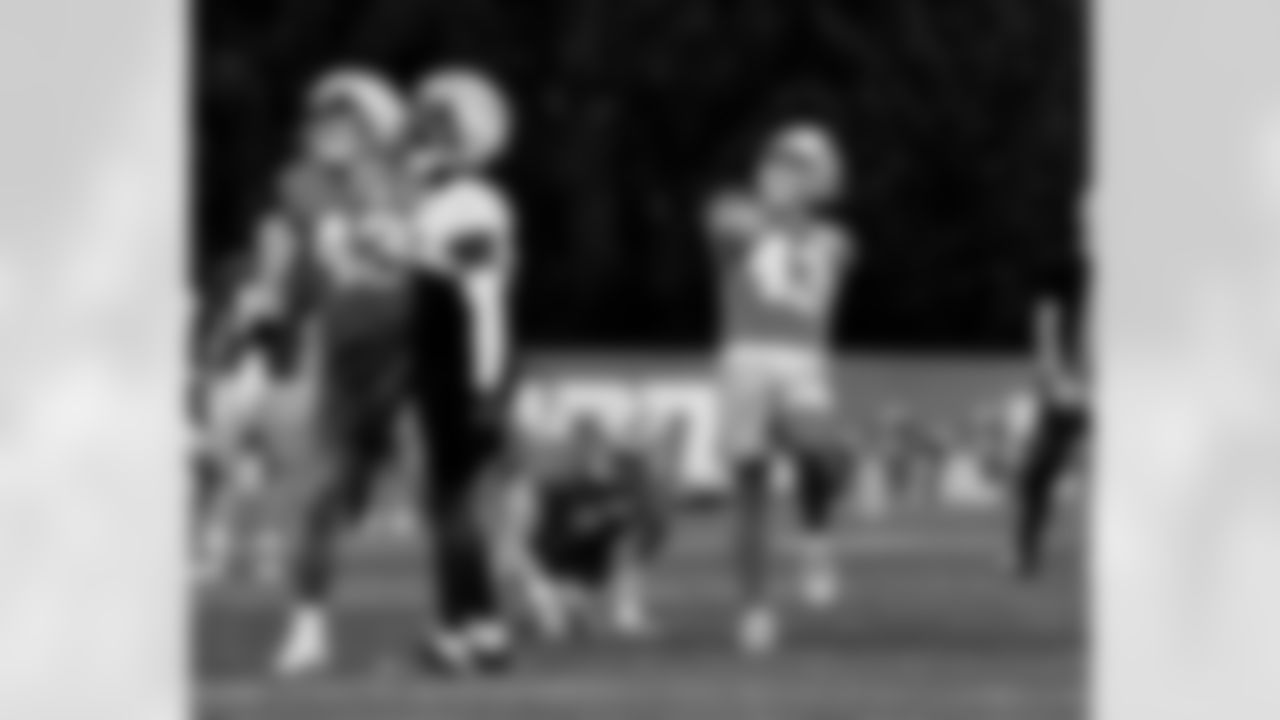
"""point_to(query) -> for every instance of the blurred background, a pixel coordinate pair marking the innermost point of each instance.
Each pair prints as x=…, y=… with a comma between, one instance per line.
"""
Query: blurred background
x=965, y=124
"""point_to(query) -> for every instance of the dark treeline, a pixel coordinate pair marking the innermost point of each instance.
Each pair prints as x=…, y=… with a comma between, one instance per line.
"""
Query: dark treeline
x=965, y=123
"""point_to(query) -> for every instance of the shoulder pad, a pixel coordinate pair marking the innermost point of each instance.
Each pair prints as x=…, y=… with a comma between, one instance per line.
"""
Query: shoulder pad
x=464, y=212
x=466, y=205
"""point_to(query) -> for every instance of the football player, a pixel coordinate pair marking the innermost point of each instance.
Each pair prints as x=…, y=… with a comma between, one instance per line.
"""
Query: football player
x=581, y=523
x=342, y=200
x=1060, y=321
x=464, y=233
x=783, y=257
x=247, y=377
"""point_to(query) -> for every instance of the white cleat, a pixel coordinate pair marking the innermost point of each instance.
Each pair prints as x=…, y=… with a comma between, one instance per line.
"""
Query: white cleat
x=820, y=588
x=628, y=609
x=489, y=643
x=758, y=632
x=489, y=637
x=550, y=608
x=819, y=573
x=306, y=647
x=631, y=619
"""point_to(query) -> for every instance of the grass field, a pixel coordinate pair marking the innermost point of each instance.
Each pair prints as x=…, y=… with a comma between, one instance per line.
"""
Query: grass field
x=930, y=628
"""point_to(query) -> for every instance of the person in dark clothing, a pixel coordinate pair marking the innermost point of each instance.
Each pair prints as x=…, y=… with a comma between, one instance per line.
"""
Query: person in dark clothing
x=456, y=442
x=463, y=229
x=584, y=520
x=1061, y=318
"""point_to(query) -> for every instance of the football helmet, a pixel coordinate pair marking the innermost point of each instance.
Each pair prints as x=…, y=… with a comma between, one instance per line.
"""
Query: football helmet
x=366, y=95
x=476, y=109
x=814, y=150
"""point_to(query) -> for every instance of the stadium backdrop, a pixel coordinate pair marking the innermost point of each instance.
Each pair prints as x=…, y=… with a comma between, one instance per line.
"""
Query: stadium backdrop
x=965, y=126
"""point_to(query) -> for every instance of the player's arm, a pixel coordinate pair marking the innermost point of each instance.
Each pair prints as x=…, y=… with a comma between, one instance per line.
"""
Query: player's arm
x=269, y=269
x=731, y=219
x=276, y=252
x=844, y=248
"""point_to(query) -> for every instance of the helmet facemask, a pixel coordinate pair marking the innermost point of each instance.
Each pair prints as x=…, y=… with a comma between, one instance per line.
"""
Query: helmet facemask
x=800, y=169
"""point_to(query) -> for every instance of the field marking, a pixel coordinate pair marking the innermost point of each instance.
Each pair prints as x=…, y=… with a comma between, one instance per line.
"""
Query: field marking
x=856, y=541
x=680, y=576
x=625, y=689
x=406, y=592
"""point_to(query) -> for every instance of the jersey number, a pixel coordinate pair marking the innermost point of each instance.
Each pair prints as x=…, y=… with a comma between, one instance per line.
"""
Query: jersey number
x=799, y=279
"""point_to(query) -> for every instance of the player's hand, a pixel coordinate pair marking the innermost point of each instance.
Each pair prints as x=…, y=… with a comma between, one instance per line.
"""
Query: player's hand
x=1064, y=386
x=734, y=215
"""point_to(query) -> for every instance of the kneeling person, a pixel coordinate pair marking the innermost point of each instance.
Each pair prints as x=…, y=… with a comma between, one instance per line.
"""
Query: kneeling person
x=581, y=530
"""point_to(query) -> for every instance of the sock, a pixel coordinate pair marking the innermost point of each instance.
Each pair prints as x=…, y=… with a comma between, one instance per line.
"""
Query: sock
x=818, y=493
x=753, y=541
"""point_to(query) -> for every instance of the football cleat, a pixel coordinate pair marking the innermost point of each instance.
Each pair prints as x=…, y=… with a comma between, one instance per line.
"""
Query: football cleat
x=758, y=631
x=445, y=653
x=306, y=647
x=819, y=580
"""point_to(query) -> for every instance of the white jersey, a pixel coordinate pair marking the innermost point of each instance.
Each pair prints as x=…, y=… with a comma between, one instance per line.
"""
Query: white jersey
x=466, y=229
x=780, y=283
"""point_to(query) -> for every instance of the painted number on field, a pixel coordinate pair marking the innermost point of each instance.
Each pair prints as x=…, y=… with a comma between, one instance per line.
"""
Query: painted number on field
x=682, y=409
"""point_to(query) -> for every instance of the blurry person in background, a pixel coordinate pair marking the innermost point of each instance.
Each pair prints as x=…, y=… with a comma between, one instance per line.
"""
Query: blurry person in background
x=1003, y=430
x=341, y=200
x=913, y=450
x=782, y=257
x=582, y=521
x=250, y=369
x=464, y=231
x=1060, y=322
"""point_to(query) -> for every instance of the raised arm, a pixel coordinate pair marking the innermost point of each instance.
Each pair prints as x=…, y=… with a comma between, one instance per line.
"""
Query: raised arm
x=730, y=220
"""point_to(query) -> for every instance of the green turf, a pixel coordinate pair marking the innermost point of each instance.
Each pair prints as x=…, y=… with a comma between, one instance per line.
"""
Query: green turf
x=930, y=629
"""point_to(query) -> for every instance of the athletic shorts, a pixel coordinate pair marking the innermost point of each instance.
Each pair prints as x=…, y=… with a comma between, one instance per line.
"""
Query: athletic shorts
x=769, y=391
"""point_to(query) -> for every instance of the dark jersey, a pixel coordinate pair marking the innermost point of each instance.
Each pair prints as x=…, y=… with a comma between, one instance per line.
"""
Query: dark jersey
x=584, y=515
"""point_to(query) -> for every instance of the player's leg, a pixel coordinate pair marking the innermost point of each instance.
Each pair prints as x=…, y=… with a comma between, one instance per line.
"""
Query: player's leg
x=750, y=460
x=635, y=551
x=627, y=588
x=306, y=644
x=350, y=436
x=227, y=463
x=1053, y=445
x=212, y=546
x=328, y=511
x=523, y=548
x=811, y=437
x=821, y=471
x=757, y=624
x=470, y=630
x=214, y=535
